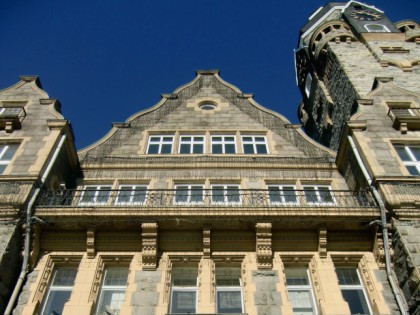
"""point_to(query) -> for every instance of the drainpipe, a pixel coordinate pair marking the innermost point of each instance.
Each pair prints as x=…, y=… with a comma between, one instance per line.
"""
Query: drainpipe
x=27, y=245
x=376, y=195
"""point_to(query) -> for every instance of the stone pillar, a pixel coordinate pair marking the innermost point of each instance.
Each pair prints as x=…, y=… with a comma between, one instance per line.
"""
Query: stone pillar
x=266, y=297
x=206, y=287
x=145, y=299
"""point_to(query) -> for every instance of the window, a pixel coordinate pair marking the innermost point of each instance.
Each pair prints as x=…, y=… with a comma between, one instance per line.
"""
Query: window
x=352, y=290
x=229, y=290
x=376, y=28
x=282, y=194
x=7, y=151
x=160, y=145
x=59, y=291
x=184, y=291
x=225, y=194
x=131, y=194
x=207, y=106
x=300, y=291
x=254, y=145
x=223, y=144
x=191, y=144
x=189, y=194
x=318, y=195
x=112, y=292
x=410, y=155
x=308, y=84
x=95, y=194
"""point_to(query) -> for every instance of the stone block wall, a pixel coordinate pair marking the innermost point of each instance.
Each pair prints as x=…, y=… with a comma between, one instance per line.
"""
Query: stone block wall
x=266, y=297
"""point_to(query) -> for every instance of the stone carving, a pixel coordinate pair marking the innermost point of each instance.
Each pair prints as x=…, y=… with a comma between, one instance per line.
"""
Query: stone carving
x=149, y=245
x=206, y=242
x=90, y=243
x=322, y=243
x=264, y=252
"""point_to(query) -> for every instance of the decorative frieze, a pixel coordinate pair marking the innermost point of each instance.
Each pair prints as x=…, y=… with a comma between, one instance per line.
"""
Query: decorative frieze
x=264, y=246
x=149, y=245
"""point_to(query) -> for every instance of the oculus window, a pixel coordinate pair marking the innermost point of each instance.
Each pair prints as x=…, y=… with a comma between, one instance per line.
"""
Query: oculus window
x=410, y=156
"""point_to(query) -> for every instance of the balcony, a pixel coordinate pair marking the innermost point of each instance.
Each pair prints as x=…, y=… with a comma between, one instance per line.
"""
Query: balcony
x=408, y=118
x=11, y=118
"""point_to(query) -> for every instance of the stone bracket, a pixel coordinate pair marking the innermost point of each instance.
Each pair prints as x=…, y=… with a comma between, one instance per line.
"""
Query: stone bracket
x=264, y=245
x=149, y=245
x=322, y=242
x=206, y=241
x=90, y=243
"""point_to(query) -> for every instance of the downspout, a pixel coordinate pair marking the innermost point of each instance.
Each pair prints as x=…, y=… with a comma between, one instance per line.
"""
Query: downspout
x=27, y=245
x=394, y=287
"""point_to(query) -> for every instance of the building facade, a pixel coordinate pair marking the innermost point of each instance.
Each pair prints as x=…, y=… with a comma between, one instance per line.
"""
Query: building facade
x=209, y=203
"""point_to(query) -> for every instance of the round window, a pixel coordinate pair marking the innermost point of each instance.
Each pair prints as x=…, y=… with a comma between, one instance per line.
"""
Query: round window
x=207, y=106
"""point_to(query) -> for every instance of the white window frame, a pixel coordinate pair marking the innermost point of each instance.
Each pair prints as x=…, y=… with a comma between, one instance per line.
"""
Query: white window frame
x=237, y=288
x=57, y=288
x=121, y=289
x=225, y=188
x=413, y=161
x=96, y=190
x=4, y=148
x=308, y=84
x=384, y=28
x=160, y=143
x=355, y=287
x=281, y=192
x=318, y=195
x=131, y=189
x=192, y=142
x=181, y=288
x=188, y=190
x=223, y=142
x=302, y=288
x=254, y=143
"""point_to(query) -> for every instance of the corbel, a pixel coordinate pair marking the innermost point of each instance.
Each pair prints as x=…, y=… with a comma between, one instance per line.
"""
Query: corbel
x=403, y=128
x=322, y=242
x=9, y=127
x=264, y=245
x=149, y=245
x=90, y=243
x=206, y=242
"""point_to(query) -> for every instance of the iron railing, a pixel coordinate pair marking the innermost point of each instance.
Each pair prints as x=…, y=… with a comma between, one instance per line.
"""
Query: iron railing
x=233, y=198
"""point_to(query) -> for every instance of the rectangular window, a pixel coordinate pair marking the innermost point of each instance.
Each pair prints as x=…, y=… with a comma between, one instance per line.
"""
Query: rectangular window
x=59, y=290
x=7, y=151
x=282, y=194
x=191, y=145
x=189, y=194
x=321, y=195
x=410, y=155
x=160, y=145
x=229, y=290
x=223, y=144
x=112, y=292
x=184, y=291
x=95, y=195
x=352, y=290
x=131, y=195
x=300, y=291
x=225, y=194
x=254, y=145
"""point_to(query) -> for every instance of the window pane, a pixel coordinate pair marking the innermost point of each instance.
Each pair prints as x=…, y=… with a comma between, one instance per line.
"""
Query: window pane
x=198, y=148
x=347, y=276
x=274, y=194
x=55, y=302
x=356, y=300
x=116, y=276
x=64, y=277
x=124, y=195
x=416, y=152
x=310, y=194
x=185, y=139
x=197, y=194
x=154, y=139
x=229, y=148
x=325, y=194
x=11, y=150
x=402, y=153
x=296, y=276
x=166, y=148
x=229, y=302
x=103, y=194
x=217, y=148
x=412, y=170
x=2, y=168
x=153, y=149
x=183, y=302
x=139, y=194
x=248, y=149
x=181, y=194
x=111, y=301
x=185, y=149
x=289, y=193
x=88, y=194
x=218, y=194
x=261, y=149
x=233, y=194
x=301, y=301
x=167, y=139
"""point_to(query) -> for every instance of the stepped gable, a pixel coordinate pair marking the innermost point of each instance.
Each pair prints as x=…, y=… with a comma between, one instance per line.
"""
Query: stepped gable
x=237, y=111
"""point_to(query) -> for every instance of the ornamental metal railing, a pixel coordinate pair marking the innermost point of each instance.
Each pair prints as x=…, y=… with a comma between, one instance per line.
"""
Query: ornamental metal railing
x=221, y=197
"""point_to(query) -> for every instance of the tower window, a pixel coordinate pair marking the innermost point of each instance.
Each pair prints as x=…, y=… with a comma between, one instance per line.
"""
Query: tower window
x=308, y=84
x=376, y=28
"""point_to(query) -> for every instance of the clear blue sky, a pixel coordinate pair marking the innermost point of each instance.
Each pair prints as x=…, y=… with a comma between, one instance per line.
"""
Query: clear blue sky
x=105, y=60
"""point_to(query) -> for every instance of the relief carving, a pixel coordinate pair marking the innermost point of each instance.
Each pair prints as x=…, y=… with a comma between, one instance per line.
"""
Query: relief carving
x=264, y=251
x=149, y=245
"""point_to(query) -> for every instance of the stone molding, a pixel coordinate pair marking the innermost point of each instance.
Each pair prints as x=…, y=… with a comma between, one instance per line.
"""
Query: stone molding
x=149, y=245
x=264, y=245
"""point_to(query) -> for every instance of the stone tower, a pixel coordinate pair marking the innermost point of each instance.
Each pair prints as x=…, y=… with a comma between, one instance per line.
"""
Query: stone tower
x=344, y=50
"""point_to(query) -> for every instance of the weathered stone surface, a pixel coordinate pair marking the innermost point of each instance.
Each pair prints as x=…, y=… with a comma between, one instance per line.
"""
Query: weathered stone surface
x=146, y=298
x=266, y=298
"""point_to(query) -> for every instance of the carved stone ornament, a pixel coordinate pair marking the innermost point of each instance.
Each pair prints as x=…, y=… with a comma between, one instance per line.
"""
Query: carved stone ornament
x=264, y=248
x=322, y=242
x=90, y=243
x=149, y=245
x=206, y=242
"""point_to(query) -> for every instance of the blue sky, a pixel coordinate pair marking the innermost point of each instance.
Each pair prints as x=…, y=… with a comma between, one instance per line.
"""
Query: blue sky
x=105, y=60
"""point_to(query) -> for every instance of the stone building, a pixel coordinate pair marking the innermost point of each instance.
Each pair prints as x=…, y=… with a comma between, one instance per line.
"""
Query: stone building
x=209, y=203
x=359, y=77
